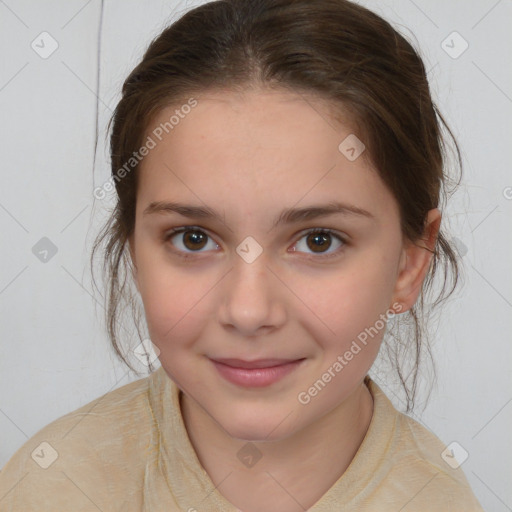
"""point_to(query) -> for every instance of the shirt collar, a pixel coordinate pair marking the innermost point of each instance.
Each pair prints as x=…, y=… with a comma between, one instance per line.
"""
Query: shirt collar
x=174, y=475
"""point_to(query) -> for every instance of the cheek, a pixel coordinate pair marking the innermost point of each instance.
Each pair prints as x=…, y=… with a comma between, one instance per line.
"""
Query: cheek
x=346, y=302
x=347, y=321
x=177, y=302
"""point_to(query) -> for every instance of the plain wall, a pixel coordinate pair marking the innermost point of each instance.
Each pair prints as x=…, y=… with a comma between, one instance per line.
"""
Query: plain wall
x=54, y=353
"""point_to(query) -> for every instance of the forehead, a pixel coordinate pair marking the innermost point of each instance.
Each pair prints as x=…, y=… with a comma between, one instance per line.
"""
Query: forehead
x=236, y=148
x=263, y=120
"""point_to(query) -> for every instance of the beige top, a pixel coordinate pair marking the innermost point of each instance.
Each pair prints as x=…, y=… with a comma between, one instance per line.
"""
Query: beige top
x=128, y=450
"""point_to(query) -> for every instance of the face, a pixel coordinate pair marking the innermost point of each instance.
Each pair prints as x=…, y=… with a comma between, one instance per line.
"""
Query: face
x=248, y=283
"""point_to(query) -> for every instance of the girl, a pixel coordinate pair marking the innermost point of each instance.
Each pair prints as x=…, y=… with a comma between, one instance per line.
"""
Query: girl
x=278, y=166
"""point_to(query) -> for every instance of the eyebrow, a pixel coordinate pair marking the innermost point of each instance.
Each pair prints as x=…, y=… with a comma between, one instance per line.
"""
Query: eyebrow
x=287, y=216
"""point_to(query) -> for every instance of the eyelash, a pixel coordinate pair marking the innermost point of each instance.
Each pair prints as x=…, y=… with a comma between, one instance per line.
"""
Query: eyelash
x=169, y=234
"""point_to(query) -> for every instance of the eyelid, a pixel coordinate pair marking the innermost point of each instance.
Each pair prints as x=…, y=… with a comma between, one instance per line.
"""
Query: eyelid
x=342, y=236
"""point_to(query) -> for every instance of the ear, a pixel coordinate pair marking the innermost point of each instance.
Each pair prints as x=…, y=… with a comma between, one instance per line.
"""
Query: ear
x=415, y=261
x=131, y=247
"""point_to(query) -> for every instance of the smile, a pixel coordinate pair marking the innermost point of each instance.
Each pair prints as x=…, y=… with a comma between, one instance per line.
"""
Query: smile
x=255, y=374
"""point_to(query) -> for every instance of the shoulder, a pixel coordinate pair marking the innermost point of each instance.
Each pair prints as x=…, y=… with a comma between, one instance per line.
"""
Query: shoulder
x=419, y=470
x=82, y=457
x=430, y=468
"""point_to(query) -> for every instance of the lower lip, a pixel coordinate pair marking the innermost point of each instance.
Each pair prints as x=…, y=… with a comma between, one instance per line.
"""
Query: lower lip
x=255, y=377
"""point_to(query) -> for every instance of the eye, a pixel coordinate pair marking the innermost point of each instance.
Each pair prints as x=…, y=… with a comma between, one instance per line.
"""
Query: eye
x=319, y=240
x=194, y=239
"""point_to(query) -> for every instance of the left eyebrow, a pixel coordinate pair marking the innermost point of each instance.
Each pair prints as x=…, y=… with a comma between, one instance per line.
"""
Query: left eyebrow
x=287, y=216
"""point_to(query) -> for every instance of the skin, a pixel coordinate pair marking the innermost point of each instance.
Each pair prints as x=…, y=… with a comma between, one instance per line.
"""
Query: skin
x=249, y=156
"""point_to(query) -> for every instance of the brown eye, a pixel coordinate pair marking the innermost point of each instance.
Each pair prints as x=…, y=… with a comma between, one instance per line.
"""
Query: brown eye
x=188, y=240
x=194, y=240
x=319, y=241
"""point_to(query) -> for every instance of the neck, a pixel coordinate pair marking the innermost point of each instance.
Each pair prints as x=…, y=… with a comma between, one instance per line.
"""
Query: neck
x=293, y=472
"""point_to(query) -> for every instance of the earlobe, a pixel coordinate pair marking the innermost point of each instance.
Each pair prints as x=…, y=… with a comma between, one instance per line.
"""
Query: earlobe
x=415, y=262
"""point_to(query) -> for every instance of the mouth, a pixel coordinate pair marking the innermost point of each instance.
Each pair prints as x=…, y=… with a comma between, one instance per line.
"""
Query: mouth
x=257, y=373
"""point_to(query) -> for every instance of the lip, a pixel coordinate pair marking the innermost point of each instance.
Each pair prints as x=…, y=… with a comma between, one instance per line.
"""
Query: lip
x=255, y=374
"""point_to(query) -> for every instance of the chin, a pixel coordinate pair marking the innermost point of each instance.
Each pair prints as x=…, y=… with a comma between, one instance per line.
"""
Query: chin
x=257, y=427
x=251, y=432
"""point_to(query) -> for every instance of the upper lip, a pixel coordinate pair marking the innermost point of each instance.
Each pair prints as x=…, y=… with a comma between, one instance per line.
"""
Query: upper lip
x=258, y=363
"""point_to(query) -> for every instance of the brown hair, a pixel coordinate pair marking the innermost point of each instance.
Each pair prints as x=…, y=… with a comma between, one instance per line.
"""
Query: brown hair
x=333, y=49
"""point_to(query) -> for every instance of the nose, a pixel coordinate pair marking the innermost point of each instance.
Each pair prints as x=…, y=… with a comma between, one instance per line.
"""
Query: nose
x=252, y=299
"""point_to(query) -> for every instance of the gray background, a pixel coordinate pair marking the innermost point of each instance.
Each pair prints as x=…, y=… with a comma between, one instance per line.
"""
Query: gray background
x=54, y=353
